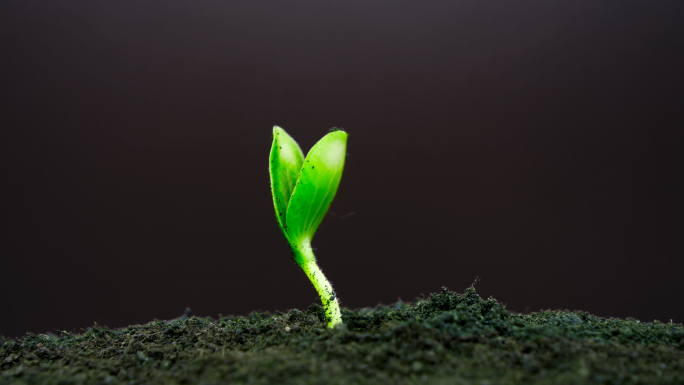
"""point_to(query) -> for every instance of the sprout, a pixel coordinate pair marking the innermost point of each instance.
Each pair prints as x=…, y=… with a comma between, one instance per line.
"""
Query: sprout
x=302, y=192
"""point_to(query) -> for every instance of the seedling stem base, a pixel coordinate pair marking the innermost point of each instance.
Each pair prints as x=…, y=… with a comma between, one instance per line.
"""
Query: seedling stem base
x=325, y=291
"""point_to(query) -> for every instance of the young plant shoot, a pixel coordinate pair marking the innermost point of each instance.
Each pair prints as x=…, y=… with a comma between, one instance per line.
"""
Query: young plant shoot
x=303, y=189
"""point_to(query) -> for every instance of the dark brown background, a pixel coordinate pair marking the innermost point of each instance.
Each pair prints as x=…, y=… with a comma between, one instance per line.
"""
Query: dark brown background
x=535, y=144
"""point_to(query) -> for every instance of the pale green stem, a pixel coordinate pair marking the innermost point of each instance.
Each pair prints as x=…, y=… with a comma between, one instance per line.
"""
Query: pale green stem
x=322, y=285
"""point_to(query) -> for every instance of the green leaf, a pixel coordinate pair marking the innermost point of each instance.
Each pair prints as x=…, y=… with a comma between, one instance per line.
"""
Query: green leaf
x=318, y=181
x=285, y=164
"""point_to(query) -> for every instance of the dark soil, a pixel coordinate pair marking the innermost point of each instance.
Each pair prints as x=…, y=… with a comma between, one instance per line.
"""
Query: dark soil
x=448, y=338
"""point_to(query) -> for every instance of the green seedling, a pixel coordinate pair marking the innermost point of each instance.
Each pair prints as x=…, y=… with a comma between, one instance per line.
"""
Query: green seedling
x=303, y=189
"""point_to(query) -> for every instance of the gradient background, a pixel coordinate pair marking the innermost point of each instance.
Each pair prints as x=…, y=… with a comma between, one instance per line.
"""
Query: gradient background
x=535, y=144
